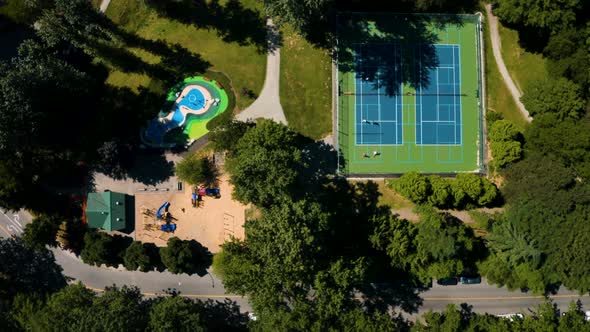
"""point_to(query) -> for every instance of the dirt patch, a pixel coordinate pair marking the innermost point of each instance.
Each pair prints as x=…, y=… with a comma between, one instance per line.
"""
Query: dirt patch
x=211, y=223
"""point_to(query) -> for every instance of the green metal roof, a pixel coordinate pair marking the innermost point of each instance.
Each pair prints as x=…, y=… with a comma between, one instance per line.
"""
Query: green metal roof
x=106, y=210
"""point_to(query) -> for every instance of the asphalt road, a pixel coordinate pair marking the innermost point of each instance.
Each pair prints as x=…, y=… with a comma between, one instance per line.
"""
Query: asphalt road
x=482, y=297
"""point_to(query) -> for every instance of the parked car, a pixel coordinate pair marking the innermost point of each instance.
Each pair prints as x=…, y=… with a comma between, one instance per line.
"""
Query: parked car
x=587, y=315
x=449, y=281
x=468, y=280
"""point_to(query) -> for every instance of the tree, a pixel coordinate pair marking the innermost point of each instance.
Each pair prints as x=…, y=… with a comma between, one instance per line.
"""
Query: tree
x=117, y=309
x=41, y=232
x=302, y=15
x=560, y=96
x=413, y=186
x=225, y=137
x=145, y=256
x=505, y=153
x=195, y=169
x=440, y=191
x=435, y=248
x=67, y=309
x=504, y=130
x=176, y=314
x=102, y=248
x=185, y=257
x=566, y=53
x=76, y=22
x=113, y=159
x=27, y=270
x=470, y=189
x=267, y=165
x=553, y=16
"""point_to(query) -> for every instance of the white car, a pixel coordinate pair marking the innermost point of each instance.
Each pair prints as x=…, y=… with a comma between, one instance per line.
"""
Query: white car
x=252, y=316
x=511, y=316
x=587, y=315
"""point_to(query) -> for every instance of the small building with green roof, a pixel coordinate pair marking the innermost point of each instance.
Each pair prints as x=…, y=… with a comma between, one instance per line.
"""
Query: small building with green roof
x=106, y=210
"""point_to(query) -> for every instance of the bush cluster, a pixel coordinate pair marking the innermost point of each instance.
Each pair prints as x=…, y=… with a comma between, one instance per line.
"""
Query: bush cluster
x=505, y=142
x=465, y=191
x=180, y=256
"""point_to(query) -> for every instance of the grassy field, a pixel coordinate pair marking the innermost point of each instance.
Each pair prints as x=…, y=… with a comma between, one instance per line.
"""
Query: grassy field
x=306, y=85
x=241, y=61
x=524, y=67
x=499, y=98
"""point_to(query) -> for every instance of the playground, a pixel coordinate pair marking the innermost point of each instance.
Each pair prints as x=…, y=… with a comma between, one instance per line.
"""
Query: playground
x=210, y=219
x=190, y=105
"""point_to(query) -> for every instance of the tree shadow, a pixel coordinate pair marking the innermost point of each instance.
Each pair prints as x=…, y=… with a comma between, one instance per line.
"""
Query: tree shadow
x=386, y=51
x=224, y=316
x=232, y=21
x=150, y=167
x=12, y=35
x=204, y=258
x=27, y=270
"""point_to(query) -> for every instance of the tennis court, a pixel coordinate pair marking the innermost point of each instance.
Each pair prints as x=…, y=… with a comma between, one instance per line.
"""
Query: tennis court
x=408, y=99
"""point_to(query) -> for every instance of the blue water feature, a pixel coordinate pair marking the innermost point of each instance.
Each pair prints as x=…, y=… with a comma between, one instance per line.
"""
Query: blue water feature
x=194, y=100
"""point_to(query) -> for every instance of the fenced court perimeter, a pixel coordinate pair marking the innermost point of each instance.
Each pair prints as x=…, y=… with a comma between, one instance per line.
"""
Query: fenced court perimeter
x=409, y=90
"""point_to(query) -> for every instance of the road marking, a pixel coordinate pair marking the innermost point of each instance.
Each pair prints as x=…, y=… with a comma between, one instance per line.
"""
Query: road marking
x=16, y=225
x=5, y=230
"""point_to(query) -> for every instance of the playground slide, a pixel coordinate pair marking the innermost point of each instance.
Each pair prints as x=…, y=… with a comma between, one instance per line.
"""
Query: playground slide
x=163, y=207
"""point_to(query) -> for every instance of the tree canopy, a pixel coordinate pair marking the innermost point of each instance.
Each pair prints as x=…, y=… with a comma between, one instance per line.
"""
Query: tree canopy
x=267, y=164
x=196, y=169
x=561, y=97
x=185, y=256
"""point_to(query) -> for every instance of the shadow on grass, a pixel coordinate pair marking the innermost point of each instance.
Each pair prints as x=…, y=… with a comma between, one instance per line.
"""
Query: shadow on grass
x=232, y=21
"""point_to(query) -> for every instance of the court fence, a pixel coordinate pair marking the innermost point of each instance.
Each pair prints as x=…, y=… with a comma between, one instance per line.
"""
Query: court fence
x=345, y=96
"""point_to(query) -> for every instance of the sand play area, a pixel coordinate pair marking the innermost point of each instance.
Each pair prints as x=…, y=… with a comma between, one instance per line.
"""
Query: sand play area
x=211, y=223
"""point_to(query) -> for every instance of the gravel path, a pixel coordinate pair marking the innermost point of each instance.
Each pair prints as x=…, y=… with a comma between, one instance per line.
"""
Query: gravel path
x=268, y=103
x=496, y=46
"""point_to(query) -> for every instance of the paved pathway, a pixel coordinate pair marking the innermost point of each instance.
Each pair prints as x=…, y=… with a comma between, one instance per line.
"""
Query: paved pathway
x=496, y=46
x=483, y=297
x=268, y=103
x=104, y=5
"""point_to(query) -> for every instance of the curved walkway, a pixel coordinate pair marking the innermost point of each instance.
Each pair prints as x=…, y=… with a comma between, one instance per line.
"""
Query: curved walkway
x=496, y=45
x=268, y=103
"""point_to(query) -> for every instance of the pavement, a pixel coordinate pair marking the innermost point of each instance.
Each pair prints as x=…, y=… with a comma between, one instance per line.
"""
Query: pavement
x=268, y=103
x=496, y=47
x=484, y=298
x=104, y=5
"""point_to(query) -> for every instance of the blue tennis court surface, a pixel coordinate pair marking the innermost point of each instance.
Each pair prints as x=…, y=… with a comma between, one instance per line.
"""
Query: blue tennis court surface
x=378, y=108
x=438, y=105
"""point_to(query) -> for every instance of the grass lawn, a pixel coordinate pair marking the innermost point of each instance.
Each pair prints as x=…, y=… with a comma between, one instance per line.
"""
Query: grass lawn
x=244, y=64
x=499, y=98
x=524, y=67
x=306, y=85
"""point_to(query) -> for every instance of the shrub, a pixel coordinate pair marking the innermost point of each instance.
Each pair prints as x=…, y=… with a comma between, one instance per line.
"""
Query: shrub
x=413, y=186
x=504, y=130
x=505, y=153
